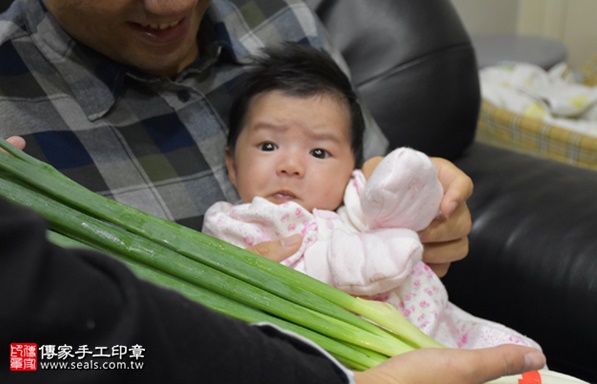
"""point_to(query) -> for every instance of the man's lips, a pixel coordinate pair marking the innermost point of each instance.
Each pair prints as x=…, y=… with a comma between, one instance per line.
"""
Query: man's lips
x=163, y=32
x=160, y=27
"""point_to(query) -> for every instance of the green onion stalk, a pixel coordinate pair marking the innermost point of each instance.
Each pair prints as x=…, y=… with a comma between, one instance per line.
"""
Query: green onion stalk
x=359, y=332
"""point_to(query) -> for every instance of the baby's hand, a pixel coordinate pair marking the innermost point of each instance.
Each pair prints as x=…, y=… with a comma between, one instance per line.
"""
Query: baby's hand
x=445, y=240
x=278, y=250
x=403, y=192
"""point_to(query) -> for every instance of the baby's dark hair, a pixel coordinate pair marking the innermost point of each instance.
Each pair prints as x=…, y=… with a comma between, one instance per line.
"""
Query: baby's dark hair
x=297, y=70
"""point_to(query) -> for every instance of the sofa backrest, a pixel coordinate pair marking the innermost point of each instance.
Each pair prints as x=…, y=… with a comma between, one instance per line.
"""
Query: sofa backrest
x=414, y=66
x=4, y=4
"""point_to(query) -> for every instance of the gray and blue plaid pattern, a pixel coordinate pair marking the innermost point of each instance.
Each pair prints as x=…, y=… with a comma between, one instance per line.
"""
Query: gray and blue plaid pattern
x=153, y=143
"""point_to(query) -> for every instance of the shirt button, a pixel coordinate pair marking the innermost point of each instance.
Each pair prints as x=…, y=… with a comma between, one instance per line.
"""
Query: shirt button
x=184, y=96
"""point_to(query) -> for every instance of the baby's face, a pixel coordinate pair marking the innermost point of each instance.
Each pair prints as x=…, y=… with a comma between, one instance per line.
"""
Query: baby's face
x=293, y=149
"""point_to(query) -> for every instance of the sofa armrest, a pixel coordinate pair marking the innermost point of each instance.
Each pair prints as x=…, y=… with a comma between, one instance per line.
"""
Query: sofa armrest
x=533, y=259
x=533, y=253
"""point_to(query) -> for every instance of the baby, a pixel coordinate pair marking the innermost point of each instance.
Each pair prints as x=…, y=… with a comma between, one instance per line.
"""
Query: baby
x=294, y=149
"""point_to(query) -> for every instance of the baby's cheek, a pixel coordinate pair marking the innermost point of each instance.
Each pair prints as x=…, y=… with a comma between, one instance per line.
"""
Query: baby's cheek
x=331, y=199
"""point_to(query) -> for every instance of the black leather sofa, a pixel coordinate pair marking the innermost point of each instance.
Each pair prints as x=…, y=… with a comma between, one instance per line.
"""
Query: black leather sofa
x=533, y=247
x=4, y=4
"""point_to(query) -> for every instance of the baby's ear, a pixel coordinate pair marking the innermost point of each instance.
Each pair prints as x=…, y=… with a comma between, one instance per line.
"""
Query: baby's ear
x=230, y=167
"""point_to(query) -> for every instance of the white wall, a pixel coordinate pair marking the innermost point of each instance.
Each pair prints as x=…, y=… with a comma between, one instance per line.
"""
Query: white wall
x=488, y=16
x=572, y=22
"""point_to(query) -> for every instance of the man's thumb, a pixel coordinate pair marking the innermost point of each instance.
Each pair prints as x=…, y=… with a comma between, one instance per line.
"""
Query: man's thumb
x=278, y=250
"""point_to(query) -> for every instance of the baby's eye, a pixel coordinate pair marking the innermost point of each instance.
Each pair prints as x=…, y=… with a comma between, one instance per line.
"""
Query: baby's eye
x=320, y=153
x=267, y=147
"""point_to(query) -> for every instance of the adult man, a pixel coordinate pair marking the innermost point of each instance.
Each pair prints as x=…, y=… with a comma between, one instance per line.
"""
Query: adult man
x=129, y=98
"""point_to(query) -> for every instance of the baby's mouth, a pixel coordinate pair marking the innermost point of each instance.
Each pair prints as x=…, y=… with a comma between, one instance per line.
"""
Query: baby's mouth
x=284, y=195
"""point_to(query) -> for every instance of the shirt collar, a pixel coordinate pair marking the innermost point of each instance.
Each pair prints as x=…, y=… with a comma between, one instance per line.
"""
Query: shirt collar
x=95, y=80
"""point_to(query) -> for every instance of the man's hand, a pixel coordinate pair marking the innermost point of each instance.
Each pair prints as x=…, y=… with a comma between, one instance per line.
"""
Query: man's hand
x=17, y=141
x=445, y=239
x=454, y=366
x=278, y=250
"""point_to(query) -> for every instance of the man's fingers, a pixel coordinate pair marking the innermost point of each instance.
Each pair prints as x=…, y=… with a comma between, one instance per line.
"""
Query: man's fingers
x=454, y=366
x=439, y=256
x=456, y=194
x=445, y=252
x=278, y=250
x=370, y=165
x=445, y=240
x=505, y=360
x=442, y=229
x=17, y=141
x=440, y=270
x=458, y=186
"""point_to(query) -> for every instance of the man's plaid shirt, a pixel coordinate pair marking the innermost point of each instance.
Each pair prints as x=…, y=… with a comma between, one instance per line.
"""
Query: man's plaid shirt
x=153, y=143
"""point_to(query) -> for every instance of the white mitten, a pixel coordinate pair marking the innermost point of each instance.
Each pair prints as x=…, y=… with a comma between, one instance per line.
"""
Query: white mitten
x=367, y=264
x=402, y=192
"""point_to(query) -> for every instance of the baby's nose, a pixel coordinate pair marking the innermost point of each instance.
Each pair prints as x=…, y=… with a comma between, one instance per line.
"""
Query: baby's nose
x=291, y=166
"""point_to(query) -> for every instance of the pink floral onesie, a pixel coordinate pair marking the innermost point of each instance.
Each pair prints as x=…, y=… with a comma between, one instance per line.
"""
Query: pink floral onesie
x=369, y=247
